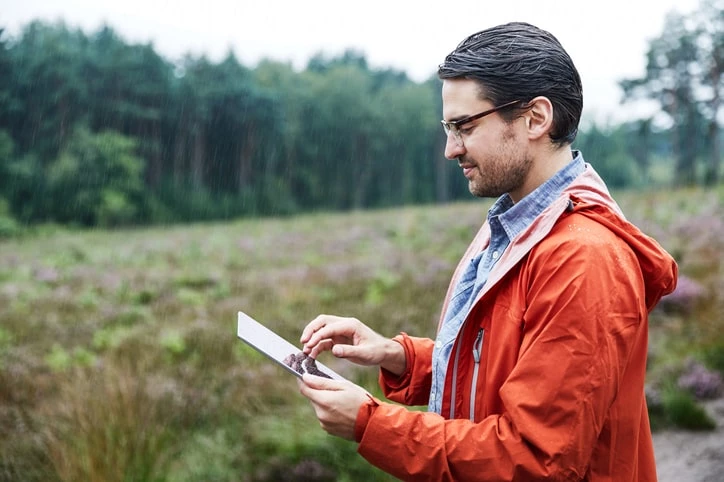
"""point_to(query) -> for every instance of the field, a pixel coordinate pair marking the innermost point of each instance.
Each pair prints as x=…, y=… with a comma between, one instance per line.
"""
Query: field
x=119, y=359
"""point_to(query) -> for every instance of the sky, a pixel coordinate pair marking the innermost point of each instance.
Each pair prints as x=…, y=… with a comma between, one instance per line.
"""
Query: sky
x=607, y=40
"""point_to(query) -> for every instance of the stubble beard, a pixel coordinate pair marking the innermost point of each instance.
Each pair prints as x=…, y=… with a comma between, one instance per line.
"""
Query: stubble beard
x=502, y=173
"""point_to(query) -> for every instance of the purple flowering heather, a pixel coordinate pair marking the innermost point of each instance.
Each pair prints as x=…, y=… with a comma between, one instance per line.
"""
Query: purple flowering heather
x=46, y=274
x=684, y=298
x=700, y=381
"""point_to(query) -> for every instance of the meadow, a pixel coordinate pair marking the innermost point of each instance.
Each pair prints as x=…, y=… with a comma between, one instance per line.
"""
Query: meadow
x=119, y=359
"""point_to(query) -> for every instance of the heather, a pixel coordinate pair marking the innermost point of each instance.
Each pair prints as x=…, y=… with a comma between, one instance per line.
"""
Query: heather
x=119, y=359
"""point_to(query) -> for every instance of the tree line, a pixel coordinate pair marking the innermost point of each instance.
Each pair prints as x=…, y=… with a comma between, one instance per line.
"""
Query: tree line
x=95, y=131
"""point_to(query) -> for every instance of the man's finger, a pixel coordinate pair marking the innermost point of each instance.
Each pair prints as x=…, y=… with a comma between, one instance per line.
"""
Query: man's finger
x=341, y=329
x=314, y=325
x=321, y=333
x=320, y=347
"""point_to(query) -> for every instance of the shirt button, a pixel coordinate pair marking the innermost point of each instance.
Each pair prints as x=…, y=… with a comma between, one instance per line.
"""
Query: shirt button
x=438, y=344
x=432, y=397
x=495, y=255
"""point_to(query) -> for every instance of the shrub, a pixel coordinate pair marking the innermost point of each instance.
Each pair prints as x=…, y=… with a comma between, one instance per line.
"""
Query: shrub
x=9, y=227
x=99, y=180
x=682, y=411
x=713, y=356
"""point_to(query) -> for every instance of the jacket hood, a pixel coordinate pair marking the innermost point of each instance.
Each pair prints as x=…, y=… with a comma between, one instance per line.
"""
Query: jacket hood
x=590, y=197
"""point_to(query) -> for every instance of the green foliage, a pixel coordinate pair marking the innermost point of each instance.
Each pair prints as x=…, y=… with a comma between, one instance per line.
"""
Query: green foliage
x=99, y=180
x=110, y=337
x=7, y=147
x=684, y=412
x=217, y=140
x=713, y=356
x=49, y=94
x=8, y=226
x=380, y=287
x=283, y=448
x=174, y=343
x=607, y=151
x=684, y=73
x=6, y=339
x=59, y=359
x=125, y=137
x=211, y=457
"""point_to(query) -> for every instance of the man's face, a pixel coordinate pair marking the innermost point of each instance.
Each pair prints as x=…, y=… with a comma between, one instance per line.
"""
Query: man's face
x=494, y=156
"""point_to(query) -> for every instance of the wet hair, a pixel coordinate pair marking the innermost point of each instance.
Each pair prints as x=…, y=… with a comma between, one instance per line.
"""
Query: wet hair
x=520, y=61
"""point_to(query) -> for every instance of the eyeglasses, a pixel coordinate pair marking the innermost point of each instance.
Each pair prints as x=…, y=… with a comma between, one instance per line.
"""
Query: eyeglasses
x=454, y=126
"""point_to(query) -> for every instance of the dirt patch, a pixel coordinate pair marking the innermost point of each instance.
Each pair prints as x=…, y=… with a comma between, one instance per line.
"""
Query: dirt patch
x=683, y=456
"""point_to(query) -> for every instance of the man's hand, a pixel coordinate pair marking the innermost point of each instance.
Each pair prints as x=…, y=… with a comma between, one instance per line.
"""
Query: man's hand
x=335, y=403
x=350, y=339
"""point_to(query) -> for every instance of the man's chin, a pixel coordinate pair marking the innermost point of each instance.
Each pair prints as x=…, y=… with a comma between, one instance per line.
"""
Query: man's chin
x=478, y=191
x=475, y=191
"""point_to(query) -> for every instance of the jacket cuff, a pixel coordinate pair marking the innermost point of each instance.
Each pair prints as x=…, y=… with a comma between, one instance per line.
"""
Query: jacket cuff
x=395, y=382
x=363, y=417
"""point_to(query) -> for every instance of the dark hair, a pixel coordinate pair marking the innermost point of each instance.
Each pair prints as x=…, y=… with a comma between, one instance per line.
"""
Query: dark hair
x=520, y=61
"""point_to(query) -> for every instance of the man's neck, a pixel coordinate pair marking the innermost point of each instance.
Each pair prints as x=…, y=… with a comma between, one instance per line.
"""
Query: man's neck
x=544, y=166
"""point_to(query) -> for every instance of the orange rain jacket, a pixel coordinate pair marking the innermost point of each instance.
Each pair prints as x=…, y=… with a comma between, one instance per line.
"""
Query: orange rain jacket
x=557, y=392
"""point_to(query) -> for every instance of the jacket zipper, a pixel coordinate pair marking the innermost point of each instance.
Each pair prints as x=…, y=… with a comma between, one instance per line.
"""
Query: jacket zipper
x=477, y=351
x=454, y=383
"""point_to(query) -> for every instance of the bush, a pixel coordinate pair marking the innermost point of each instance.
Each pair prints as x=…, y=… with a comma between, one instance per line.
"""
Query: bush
x=672, y=400
x=714, y=357
x=682, y=411
x=97, y=180
x=9, y=228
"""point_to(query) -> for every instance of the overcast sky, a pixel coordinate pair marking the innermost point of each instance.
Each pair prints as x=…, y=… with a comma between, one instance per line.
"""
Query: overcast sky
x=606, y=39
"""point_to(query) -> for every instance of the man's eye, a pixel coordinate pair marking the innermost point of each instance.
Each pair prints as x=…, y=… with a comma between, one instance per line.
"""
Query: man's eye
x=465, y=130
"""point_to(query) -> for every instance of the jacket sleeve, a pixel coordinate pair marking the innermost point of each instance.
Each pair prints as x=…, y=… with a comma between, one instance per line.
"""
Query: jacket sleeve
x=413, y=386
x=582, y=317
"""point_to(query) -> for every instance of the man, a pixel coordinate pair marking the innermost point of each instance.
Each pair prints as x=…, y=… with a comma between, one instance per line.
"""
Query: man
x=537, y=372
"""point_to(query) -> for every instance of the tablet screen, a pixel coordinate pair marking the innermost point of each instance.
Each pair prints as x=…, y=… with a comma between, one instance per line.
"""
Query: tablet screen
x=290, y=357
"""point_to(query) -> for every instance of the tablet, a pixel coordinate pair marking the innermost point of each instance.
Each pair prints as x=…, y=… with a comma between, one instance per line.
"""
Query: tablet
x=285, y=354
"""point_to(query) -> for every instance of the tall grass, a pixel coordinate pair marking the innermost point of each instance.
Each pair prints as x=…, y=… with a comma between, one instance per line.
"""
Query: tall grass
x=108, y=424
x=119, y=359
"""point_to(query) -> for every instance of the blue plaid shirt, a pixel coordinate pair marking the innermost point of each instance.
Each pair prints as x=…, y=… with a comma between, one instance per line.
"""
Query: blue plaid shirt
x=506, y=220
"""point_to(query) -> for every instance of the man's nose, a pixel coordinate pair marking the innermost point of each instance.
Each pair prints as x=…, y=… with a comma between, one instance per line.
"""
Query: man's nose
x=452, y=149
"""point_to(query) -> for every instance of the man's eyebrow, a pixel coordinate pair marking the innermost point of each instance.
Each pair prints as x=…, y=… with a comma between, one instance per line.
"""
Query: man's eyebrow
x=457, y=118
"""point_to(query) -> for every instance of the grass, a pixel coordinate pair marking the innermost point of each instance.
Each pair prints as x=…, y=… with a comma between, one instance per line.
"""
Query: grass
x=118, y=354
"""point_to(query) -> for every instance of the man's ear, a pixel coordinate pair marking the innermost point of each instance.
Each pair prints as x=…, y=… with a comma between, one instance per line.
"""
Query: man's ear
x=539, y=117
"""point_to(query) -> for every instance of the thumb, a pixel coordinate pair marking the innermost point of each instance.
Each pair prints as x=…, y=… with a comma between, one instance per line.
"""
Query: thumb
x=320, y=383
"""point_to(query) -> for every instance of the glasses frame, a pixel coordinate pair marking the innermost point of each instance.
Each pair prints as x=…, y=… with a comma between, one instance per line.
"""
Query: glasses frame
x=454, y=126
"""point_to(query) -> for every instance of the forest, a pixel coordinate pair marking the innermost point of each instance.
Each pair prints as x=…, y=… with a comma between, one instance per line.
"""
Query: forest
x=98, y=132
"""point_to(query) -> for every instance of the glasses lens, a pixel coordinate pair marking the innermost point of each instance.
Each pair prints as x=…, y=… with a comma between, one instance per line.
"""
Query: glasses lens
x=456, y=135
x=449, y=128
